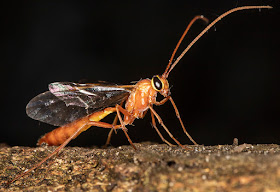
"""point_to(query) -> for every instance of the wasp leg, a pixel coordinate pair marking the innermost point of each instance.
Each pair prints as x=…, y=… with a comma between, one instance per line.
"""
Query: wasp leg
x=162, y=101
x=119, y=110
x=182, y=124
x=80, y=126
x=123, y=111
x=166, y=129
x=57, y=150
x=111, y=132
x=177, y=114
x=155, y=126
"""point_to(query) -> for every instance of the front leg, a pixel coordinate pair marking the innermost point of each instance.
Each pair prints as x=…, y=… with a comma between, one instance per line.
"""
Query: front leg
x=155, y=126
x=177, y=114
x=162, y=101
x=182, y=124
x=166, y=129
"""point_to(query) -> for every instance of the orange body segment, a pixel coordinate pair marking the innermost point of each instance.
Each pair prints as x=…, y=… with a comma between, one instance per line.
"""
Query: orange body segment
x=139, y=100
x=61, y=134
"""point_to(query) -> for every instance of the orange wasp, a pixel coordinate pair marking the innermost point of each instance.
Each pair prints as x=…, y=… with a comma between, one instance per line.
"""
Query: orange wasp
x=76, y=107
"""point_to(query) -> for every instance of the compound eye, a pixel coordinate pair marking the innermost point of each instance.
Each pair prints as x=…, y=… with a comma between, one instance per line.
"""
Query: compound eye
x=157, y=84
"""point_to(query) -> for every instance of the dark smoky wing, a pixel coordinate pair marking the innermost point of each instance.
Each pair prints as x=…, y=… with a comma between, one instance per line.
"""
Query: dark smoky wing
x=49, y=109
x=67, y=102
x=89, y=96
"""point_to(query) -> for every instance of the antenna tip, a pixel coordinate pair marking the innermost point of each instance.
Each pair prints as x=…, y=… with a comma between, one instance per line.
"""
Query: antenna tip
x=266, y=7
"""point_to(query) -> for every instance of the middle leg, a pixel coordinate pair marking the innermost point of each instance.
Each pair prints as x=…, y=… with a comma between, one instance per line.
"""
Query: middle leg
x=111, y=132
x=120, y=109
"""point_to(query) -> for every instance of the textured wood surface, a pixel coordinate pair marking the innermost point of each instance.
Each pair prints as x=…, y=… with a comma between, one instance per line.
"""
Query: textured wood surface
x=152, y=168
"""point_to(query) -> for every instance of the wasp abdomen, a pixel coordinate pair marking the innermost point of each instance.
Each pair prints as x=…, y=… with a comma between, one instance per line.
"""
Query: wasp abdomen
x=61, y=134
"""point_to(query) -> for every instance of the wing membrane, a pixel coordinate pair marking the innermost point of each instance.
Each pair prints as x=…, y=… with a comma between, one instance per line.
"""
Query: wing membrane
x=67, y=102
x=87, y=95
x=49, y=109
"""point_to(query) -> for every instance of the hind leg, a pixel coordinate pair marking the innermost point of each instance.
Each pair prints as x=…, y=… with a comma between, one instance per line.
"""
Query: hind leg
x=111, y=132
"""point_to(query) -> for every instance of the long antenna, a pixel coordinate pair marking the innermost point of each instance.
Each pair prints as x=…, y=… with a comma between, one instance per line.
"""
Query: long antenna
x=181, y=39
x=165, y=74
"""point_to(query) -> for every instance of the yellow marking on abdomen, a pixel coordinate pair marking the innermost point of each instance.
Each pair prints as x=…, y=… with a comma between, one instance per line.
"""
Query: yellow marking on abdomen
x=97, y=116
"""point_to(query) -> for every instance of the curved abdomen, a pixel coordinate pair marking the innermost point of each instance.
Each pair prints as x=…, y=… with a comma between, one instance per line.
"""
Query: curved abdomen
x=61, y=134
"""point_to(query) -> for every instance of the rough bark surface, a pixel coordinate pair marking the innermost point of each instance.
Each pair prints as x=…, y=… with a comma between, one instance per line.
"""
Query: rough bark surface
x=153, y=167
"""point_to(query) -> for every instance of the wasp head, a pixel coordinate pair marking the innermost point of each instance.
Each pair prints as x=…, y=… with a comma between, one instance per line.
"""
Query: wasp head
x=160, y=84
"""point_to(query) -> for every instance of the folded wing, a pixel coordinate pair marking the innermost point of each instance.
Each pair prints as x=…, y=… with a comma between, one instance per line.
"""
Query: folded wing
x=67, y=102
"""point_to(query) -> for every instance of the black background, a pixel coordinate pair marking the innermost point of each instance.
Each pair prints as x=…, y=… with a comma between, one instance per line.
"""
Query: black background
x=226, y=86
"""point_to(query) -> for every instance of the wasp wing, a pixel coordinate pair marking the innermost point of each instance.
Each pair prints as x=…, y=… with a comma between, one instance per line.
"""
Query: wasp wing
x=67, y=102
x=88, y=95
x=47, y=108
